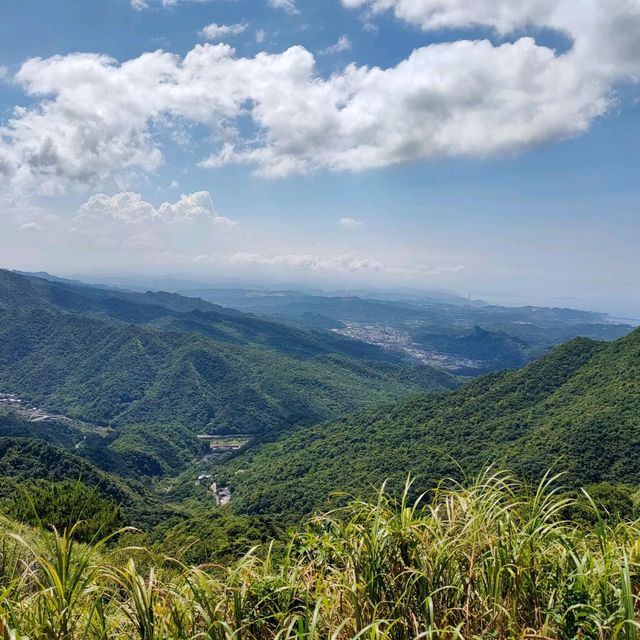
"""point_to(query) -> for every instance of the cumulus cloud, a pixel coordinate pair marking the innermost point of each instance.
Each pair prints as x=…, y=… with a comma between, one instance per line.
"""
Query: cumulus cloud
x=462, y=98
x=287, y=5
x=341, y=263
x=216, y=31
x=504, y=15
x=350, y=223
x=140, y=5
x=343, y=44
x=130, y=208
x=607, y=28
x=94, y=118
x=30, y=227
x=128, y=221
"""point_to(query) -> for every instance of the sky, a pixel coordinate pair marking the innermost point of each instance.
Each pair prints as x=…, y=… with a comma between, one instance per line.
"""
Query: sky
x=488, y=147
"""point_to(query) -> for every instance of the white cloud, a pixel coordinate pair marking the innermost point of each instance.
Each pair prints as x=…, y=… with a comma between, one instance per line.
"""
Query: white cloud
x=130, y=208
x=140, y=5
x=605, y=33
x=346, y=262
x=30, y=227
x=350, y=223
x=216, y=31
x=462, y=98
x=504, y=15
x=95, y=120
x=287, y=5
x=127, y=221
x=607, y=28
x=261, y=34
x=76, y=138
x=343, y=44
x=340, y=263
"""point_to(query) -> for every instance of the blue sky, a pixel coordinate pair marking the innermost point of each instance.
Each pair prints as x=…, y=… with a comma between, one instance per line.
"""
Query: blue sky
x=488, y=149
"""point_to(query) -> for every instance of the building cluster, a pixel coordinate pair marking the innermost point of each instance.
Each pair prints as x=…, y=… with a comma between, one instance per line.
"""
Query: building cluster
x=221, y=494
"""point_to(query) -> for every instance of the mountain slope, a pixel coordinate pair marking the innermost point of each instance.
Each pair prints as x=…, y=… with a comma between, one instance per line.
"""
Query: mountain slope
x=170, y=311
x=116, y=358
x=28, y=460
x=577, y=408
x=453, y=333
x=492, y=350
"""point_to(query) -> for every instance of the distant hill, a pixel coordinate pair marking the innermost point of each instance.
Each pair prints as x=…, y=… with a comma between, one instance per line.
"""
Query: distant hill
x=117, y=358
x=578, y=408
x=489, y=337
x=170, y=311
x=491, y=349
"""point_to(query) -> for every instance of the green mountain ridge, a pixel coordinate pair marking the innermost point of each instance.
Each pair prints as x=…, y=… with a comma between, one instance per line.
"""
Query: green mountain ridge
x=494, y=349
x=473, y=337
x=111, y=359
x=577, y=409
x=118, y=374
x=26, y=461
x=171, y=311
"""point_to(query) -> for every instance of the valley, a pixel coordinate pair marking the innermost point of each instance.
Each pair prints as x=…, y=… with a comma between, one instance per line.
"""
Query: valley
x=159, y=385
x=459, y=335
x=399, y=340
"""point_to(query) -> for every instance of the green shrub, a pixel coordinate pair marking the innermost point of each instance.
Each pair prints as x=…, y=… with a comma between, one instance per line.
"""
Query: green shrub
x=492, y=560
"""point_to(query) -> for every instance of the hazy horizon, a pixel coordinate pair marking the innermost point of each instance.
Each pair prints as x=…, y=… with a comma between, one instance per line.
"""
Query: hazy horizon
x=186, y=282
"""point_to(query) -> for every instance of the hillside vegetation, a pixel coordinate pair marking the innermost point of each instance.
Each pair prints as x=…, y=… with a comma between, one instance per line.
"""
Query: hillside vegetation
x=114, y=374
x=495, y=560
x=170, y=311
x=474, y=337
x=493, y=349
x=117, y=358
x=577, y=408
x=28, y=465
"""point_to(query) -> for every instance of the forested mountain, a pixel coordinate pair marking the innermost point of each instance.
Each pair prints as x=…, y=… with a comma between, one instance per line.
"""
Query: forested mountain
x=27, y=463
x=467, y=339
x=117, y=358
x=156, y=369
x=116, y=374
x=463, y=336
x=490, y=350
x=577, y=408
x=165, y=310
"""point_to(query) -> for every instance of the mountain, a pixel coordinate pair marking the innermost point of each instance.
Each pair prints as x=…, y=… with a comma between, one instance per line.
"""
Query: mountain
x=462, y=336
x=467, y=339
x=28, y=461
x=116, y=358
x=577, y=408
x=489, y=350
x=170, y=311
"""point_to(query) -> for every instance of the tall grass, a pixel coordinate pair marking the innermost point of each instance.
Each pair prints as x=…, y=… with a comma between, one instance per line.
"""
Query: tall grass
x=490, y=560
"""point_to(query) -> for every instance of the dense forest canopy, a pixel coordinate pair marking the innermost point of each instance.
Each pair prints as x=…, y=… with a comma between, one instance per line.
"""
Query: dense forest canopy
x=576, y=410
x=118, y=358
